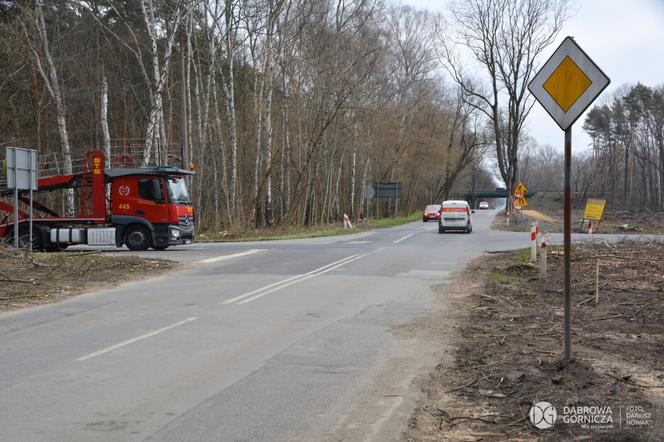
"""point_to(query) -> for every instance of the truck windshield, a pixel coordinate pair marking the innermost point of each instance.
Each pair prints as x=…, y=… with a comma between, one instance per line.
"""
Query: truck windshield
x=177, y=190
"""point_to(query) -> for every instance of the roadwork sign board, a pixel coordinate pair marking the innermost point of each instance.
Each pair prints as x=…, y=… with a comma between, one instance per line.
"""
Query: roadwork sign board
x=520, y=196
x=594, y=209
x=387, y=190
x=568, y=83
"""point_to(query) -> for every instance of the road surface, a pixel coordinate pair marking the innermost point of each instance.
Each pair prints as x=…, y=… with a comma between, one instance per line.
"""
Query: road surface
x=277, y=340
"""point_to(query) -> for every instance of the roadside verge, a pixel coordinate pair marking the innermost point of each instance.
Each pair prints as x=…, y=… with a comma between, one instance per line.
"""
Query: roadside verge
x=49, y=277
x=324, y=230
x=507, y=338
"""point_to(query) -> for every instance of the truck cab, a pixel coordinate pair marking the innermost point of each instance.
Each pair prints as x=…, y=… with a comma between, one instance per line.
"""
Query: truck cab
x=150, y=207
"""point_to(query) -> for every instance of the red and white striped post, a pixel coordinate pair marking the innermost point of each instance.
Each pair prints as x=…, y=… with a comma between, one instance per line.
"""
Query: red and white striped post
x=534, y=230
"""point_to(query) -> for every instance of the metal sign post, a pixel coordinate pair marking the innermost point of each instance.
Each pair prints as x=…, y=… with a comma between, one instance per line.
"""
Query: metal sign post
x=16, y=220
x=565, y=86
x=567, y=245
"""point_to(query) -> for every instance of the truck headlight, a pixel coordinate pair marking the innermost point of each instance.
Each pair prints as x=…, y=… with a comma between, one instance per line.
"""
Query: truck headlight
x=175, y=233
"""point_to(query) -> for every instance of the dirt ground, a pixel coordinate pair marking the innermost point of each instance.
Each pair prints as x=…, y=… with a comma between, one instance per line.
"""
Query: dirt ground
x=551, y=221
x=548, y=211
x=507, y=331
x=49, y=277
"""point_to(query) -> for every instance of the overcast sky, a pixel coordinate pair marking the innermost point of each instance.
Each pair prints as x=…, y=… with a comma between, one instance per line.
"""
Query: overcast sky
x=624, y=37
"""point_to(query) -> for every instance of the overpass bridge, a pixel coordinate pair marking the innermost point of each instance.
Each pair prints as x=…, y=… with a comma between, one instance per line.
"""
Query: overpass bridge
x=499, y=192
x=484, y=194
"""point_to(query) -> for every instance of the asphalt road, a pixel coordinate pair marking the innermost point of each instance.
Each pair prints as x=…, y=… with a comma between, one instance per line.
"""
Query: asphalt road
x=277, y=340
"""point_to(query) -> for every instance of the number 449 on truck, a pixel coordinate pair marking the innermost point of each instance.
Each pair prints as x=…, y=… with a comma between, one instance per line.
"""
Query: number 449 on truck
x=147, y=206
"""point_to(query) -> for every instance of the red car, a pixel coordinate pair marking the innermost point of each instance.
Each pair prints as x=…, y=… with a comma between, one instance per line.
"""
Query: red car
x=432, y=211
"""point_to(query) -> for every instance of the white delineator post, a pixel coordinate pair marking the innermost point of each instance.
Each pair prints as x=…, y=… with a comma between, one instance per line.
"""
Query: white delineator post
x=347, y=223
x=534, y=228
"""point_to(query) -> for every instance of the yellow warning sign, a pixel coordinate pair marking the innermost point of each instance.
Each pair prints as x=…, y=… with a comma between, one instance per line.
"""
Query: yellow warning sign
x=519, y=196
x=594, y=209
x=520, y=189
x=566, y=84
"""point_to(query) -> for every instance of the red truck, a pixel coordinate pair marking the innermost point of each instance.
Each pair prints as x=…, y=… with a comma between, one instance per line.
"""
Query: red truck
x=148, y=206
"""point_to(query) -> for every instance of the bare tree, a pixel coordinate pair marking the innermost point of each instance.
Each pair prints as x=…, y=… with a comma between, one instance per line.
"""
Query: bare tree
x=34, y=30
x=505, y=38
x=106, y=136
x=160, y=69
x=465, y=138
x=294, y=104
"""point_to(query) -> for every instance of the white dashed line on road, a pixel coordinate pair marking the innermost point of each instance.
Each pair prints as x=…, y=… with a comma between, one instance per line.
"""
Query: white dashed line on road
x=136, y=339
x=403, y=238
x=226, y=257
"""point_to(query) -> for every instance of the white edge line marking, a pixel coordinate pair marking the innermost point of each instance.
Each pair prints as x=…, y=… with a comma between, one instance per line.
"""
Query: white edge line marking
x=253, y=298
x=253, y=292
x=225, y=257
x=402, y=238
x=136, y=339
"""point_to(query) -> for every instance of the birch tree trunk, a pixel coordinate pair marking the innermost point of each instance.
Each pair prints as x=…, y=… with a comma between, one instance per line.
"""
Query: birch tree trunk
x=43, y=60
x=353, y=160
x=159, y=73
x=106, y=136
x=228, y=87
x=184, y=94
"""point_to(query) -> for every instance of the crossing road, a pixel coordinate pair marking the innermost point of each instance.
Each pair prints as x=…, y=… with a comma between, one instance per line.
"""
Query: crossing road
x=274, y=340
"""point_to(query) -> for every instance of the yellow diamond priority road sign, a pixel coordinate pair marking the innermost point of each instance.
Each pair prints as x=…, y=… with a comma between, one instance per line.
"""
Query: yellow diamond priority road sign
x=568, y=83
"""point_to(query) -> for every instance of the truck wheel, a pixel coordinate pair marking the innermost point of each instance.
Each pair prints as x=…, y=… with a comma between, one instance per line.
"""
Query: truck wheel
x=137, y=238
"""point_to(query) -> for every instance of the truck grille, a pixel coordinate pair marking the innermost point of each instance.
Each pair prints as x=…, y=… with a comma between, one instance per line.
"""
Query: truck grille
x=185, y=220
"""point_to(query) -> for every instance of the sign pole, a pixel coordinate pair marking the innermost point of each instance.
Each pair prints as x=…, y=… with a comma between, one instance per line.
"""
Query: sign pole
x=377, y=197
x=567, y=240
x=16, y=217
x=30, y=228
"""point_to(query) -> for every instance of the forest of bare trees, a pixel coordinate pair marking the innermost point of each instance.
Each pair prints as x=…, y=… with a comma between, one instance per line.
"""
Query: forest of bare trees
x=627, y=161
x=286, y=109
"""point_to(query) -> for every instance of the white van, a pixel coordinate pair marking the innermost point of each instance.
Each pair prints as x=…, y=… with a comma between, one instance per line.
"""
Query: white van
x=455, y=215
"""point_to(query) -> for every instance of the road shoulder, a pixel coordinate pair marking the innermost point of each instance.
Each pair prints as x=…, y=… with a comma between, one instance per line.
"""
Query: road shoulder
x=383, y=410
